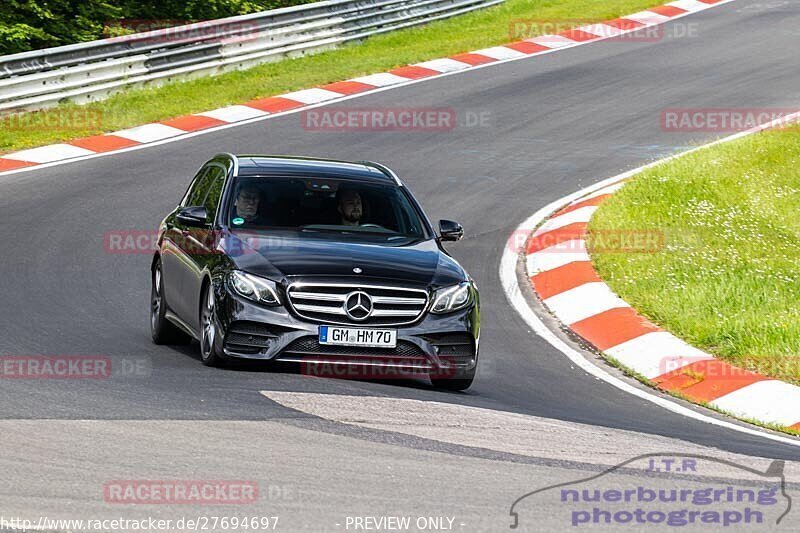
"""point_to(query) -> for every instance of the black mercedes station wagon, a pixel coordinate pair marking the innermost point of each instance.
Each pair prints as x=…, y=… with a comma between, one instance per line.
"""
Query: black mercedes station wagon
x=325, y=263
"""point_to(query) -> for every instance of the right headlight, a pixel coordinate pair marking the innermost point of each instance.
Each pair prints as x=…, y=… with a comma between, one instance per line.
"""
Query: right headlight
x=254, y=288
x=453, y=298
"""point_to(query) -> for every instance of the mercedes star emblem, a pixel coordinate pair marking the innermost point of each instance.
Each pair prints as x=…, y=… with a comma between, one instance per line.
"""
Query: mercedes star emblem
x=358, y=306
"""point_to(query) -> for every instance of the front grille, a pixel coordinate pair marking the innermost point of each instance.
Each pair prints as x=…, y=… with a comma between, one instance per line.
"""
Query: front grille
x=249, y=337
x=327, y=302
x=458, y=348
x=311, y=346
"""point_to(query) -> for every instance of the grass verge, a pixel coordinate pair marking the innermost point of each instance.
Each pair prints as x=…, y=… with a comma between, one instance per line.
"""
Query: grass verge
x=726, y=279
x=472, y=31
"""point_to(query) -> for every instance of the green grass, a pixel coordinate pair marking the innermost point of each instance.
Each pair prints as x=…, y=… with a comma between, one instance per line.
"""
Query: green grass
x=461, y=34
x=727, y=279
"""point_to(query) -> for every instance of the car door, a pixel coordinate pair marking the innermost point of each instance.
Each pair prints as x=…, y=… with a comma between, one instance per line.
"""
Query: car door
x=174, y=258
x=201, y=245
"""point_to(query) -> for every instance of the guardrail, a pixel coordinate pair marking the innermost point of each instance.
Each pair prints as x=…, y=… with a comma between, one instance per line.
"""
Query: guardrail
x=87, y=72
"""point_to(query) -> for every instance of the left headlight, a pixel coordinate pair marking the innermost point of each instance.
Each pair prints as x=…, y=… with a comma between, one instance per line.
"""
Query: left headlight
x=254, y=288
x=453, y=298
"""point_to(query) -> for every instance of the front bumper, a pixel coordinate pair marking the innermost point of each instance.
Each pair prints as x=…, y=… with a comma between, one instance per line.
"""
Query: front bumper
x=445, y=345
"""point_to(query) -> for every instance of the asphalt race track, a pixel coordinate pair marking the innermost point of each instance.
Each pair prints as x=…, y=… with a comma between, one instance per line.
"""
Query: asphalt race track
x=552, y=125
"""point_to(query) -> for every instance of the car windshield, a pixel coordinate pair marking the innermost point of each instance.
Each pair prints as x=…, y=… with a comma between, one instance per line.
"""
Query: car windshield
x=323, y=205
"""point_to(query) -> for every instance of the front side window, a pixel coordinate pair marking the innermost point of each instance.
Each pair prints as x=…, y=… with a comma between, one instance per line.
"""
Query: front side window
x=193, y=186
x=199, y=188
x=323, y=205
x=216, y=181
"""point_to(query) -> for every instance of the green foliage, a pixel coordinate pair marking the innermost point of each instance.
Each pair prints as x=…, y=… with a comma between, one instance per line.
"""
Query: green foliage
x=195, y=10
x=31, y=24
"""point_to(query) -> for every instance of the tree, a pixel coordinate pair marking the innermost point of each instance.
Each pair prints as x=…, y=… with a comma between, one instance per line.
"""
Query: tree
x=31, y=24
x=28, y=24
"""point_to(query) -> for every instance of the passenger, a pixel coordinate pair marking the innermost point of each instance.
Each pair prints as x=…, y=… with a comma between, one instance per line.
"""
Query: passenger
x=248, y=202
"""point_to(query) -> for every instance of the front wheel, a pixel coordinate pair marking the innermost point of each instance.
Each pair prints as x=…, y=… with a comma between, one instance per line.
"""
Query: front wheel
x=162, y=330
x=208, y=330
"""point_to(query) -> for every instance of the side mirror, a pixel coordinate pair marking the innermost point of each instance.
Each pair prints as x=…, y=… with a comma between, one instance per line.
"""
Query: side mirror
x=450, y=231
x=195, y=216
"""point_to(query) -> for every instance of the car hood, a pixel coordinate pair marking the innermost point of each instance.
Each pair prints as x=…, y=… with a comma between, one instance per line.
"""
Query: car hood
x=281, y=256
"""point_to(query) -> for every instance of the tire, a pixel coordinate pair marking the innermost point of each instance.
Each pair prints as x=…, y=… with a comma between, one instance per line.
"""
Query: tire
x=209, y=352
x=162, y=330
x=457, y=383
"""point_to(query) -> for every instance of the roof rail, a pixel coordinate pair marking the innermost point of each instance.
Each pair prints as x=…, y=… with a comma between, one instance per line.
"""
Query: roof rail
x=384, y=169
x=232, y=158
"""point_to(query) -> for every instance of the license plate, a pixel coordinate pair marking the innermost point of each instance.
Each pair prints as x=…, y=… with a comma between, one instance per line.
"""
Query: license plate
x=371, y=338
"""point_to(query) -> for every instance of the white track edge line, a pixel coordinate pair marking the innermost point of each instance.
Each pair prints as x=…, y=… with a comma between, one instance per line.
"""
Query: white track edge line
x=510, y=283
x=189, y=135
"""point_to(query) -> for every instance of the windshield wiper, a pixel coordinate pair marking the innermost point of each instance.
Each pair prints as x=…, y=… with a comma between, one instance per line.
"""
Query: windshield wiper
x=329, y=229
x=348, y=229
x=393, y=237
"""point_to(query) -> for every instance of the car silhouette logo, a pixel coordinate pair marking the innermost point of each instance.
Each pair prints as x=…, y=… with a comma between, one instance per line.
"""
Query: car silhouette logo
x=358, y=306
x=773, y=476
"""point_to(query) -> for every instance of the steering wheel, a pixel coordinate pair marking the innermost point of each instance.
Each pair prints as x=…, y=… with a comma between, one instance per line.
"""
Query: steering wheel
x=371, y=226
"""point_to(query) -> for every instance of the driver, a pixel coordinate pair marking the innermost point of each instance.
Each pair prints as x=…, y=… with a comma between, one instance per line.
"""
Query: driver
x=248, y=201
x=349, y=207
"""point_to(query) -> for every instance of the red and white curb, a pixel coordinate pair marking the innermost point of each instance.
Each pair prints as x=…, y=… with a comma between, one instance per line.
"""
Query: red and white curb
x=263, y=108
x=563, y=277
